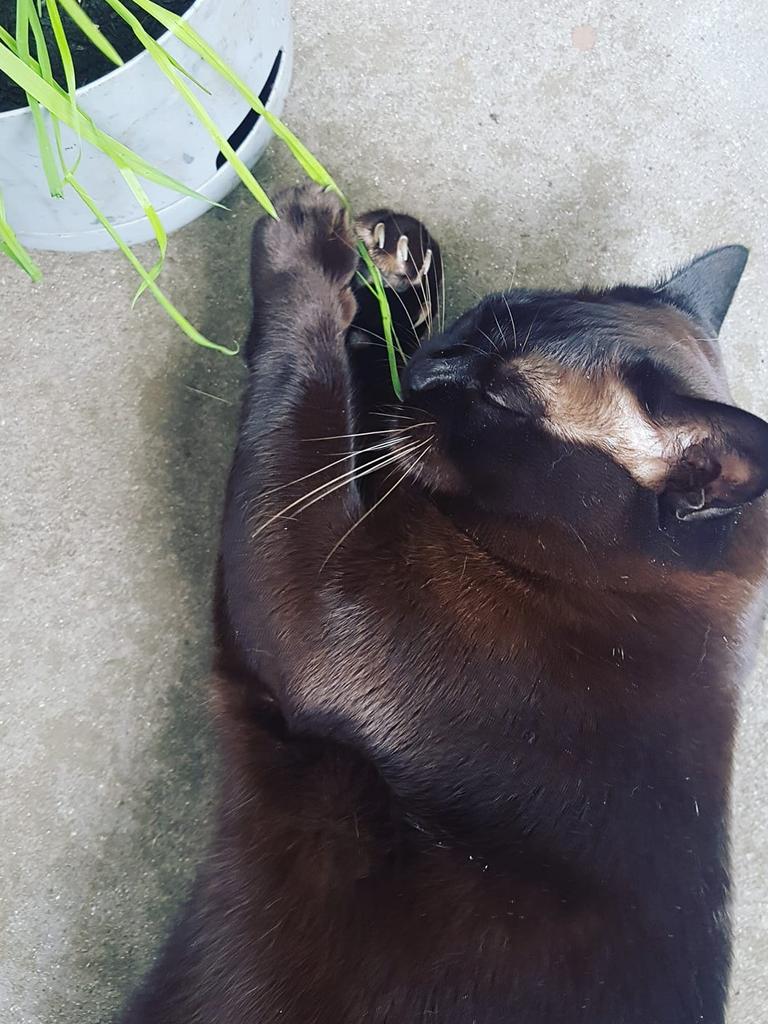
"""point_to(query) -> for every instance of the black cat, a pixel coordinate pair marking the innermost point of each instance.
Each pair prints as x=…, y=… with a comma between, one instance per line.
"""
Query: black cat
x=478, y=651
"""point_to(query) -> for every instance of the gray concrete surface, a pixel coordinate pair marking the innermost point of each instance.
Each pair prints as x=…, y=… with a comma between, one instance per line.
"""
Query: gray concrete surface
x=551, y=143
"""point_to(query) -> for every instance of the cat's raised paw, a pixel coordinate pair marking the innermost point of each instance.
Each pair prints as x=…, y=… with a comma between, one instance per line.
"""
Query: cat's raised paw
x=313, y=229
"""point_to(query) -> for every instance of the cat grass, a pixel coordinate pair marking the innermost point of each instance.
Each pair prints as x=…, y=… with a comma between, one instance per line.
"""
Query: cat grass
x=26, y=61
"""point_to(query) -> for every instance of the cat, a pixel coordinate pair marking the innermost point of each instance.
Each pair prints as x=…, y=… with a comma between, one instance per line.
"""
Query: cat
x=478, y=650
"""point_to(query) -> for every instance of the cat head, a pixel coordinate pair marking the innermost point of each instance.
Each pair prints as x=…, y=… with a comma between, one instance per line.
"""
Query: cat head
x=607, y=411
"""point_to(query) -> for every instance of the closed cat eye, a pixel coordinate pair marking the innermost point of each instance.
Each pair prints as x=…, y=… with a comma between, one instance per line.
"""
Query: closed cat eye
x=648, y=383
x=514, y=404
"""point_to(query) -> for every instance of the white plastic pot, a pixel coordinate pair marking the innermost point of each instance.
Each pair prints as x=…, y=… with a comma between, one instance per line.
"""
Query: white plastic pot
x=137, y=105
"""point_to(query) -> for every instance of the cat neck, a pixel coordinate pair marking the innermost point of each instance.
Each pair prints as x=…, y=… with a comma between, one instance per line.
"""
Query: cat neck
x=666, y=560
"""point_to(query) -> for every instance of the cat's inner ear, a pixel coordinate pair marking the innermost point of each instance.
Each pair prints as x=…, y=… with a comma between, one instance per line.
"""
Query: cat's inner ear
x=705, y=288
x=724, y=465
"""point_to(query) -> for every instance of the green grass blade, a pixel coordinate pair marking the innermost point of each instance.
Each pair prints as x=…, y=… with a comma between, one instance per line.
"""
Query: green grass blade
x=160, y=57
x=99, y=40
x=209, y=124
x=187, y=74
x=65, y=53
x=47, y=157
x=11, y=246
x=191, y=332
x=26, y=16
x=55, y=100
x=7, y=38
x=181, y=29
x=157, y=226
x=6, y=251
x=37, y=81
x=75, y=11
x=119, y=153
x=390, y=338
x=309, y=164
x=22, y=28
x=92, y=31
x=46, y=72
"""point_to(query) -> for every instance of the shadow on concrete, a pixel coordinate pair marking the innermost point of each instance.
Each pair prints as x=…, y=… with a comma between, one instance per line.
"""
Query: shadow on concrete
x=190, y=414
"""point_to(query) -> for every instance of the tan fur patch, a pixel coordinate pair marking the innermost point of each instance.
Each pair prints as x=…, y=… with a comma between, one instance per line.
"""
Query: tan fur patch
x=601, y=412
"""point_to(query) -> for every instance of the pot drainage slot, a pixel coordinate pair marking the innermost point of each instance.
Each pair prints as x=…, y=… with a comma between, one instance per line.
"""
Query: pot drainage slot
x=246, y=126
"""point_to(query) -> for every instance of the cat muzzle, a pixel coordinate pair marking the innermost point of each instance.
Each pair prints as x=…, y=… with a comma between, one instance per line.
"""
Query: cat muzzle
x=425, y=373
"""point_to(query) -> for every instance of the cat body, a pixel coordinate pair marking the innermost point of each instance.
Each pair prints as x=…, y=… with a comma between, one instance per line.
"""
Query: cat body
x=477, y=706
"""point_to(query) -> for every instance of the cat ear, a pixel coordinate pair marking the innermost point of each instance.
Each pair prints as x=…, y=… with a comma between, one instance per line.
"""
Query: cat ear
x=722, y=464
x=706, y=286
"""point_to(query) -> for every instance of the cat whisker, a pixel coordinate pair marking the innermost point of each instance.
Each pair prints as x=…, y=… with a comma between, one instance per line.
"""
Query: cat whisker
x=427, y=290
x=378, y=344
x=424, y=301
x=400, y=406
x=372, y=467
x=343, y=480
x=393, y=416
x=422, y=280
x=489, y=341
x=442, y=295
x=363, y=433
x=199, y=391
x=501, y=334
x=394, y=292
x=345, y=457
x=511, y=320
x=375, y=505
x=373, y=334
x=475, y=348
x=426, y=266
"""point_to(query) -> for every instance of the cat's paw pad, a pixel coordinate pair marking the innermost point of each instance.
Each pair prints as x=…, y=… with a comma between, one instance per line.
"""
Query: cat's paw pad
x=313, y=229
x=408, y=258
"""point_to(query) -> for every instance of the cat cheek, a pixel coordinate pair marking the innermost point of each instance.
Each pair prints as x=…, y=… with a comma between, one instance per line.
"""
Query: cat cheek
x=440, y=474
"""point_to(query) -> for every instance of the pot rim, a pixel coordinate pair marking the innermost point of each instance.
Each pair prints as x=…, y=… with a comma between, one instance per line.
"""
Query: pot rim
x=84, y=90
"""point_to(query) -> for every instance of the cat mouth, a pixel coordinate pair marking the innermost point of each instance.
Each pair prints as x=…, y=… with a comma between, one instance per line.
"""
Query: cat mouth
x=434, y=387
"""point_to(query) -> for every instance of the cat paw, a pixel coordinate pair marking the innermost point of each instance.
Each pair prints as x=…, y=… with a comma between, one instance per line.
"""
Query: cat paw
x=313, y=232
x=409, y=260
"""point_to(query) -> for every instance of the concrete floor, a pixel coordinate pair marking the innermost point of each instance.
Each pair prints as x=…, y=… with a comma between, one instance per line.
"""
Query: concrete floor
x=550, y=143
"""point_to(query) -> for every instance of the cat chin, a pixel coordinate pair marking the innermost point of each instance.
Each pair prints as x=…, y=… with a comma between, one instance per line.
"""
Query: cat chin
x=439, y=474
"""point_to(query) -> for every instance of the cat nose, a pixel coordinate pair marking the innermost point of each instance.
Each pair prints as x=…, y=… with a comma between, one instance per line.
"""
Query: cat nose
x=427, y=372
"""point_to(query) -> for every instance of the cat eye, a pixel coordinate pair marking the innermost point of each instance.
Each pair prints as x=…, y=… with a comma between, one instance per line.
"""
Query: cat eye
x=648, y=383
x=512, y=400
x=507, y=389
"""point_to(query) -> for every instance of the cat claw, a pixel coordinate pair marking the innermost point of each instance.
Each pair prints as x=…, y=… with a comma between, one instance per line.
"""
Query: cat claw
x=379, y=234
x=426, y=264
x=424, y=267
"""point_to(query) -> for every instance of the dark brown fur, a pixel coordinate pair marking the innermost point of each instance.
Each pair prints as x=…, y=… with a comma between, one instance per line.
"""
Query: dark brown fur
x=476, y=763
